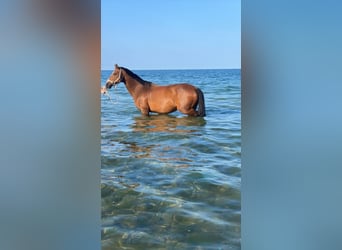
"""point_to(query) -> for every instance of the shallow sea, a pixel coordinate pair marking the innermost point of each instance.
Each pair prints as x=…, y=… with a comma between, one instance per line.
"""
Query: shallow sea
x=172, y=181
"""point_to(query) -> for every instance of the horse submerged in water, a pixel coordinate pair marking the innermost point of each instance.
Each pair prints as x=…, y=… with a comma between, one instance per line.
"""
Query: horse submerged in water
x=150, y=97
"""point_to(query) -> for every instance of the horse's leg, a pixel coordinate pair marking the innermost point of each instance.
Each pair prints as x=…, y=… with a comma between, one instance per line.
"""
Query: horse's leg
x=142, y=105
x=188, y=107
x=188, y=111
x=145, y=111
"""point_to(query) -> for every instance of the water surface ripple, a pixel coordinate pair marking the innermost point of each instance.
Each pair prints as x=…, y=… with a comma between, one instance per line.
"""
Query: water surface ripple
x=172, y=181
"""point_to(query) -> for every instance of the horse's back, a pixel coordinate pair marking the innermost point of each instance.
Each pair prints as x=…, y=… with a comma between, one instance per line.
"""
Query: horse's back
x=184, y=90
x=172, y=89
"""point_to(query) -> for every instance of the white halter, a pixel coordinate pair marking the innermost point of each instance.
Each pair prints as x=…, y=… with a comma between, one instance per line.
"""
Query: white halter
x=118, y=80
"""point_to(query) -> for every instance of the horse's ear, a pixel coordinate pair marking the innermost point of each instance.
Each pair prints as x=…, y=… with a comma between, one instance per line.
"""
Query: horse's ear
x=116, y=66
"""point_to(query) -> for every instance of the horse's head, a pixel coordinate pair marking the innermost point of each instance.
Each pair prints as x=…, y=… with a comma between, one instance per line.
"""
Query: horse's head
x=115, y=78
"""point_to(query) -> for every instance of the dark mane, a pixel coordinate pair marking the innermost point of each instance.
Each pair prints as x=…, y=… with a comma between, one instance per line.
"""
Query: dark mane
x=135, y=76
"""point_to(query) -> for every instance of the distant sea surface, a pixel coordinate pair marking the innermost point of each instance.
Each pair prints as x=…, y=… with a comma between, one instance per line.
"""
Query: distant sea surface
x=172, y=181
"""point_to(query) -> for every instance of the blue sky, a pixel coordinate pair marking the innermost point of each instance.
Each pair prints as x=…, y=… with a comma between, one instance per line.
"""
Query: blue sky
x=177, y=34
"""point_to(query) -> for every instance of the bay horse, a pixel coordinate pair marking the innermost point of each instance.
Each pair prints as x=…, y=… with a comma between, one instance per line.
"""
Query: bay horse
x=150, y=97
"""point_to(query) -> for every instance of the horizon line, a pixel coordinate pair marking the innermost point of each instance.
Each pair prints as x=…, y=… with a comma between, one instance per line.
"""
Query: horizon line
x=186, y=69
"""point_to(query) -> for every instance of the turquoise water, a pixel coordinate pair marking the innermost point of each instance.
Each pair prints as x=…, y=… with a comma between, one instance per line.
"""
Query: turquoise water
x=172, y=181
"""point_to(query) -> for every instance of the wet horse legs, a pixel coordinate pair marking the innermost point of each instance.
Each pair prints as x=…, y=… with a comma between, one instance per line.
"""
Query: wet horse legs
x=190, y=112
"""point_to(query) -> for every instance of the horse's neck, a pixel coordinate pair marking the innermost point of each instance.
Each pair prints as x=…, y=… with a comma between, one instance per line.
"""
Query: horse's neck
x=133, y=86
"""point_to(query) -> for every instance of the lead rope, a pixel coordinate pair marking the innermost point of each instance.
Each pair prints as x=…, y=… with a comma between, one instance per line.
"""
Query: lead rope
x=116, y=101
x=116, y=96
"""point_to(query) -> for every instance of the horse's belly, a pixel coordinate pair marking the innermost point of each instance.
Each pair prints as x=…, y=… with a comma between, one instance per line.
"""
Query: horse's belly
x=162, y=106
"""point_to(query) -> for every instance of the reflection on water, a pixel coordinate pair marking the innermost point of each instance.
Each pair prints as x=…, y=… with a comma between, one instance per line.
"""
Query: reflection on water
x=167, y=123
x=172, y=181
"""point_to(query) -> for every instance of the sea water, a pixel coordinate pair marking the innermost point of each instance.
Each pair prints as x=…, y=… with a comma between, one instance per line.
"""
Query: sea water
x=172, y=181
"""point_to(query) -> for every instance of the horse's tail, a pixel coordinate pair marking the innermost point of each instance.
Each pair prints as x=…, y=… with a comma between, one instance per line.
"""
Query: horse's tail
x=201, y=104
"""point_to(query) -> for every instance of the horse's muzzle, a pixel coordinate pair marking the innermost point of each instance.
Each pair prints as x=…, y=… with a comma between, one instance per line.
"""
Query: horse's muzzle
x=109, y=84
